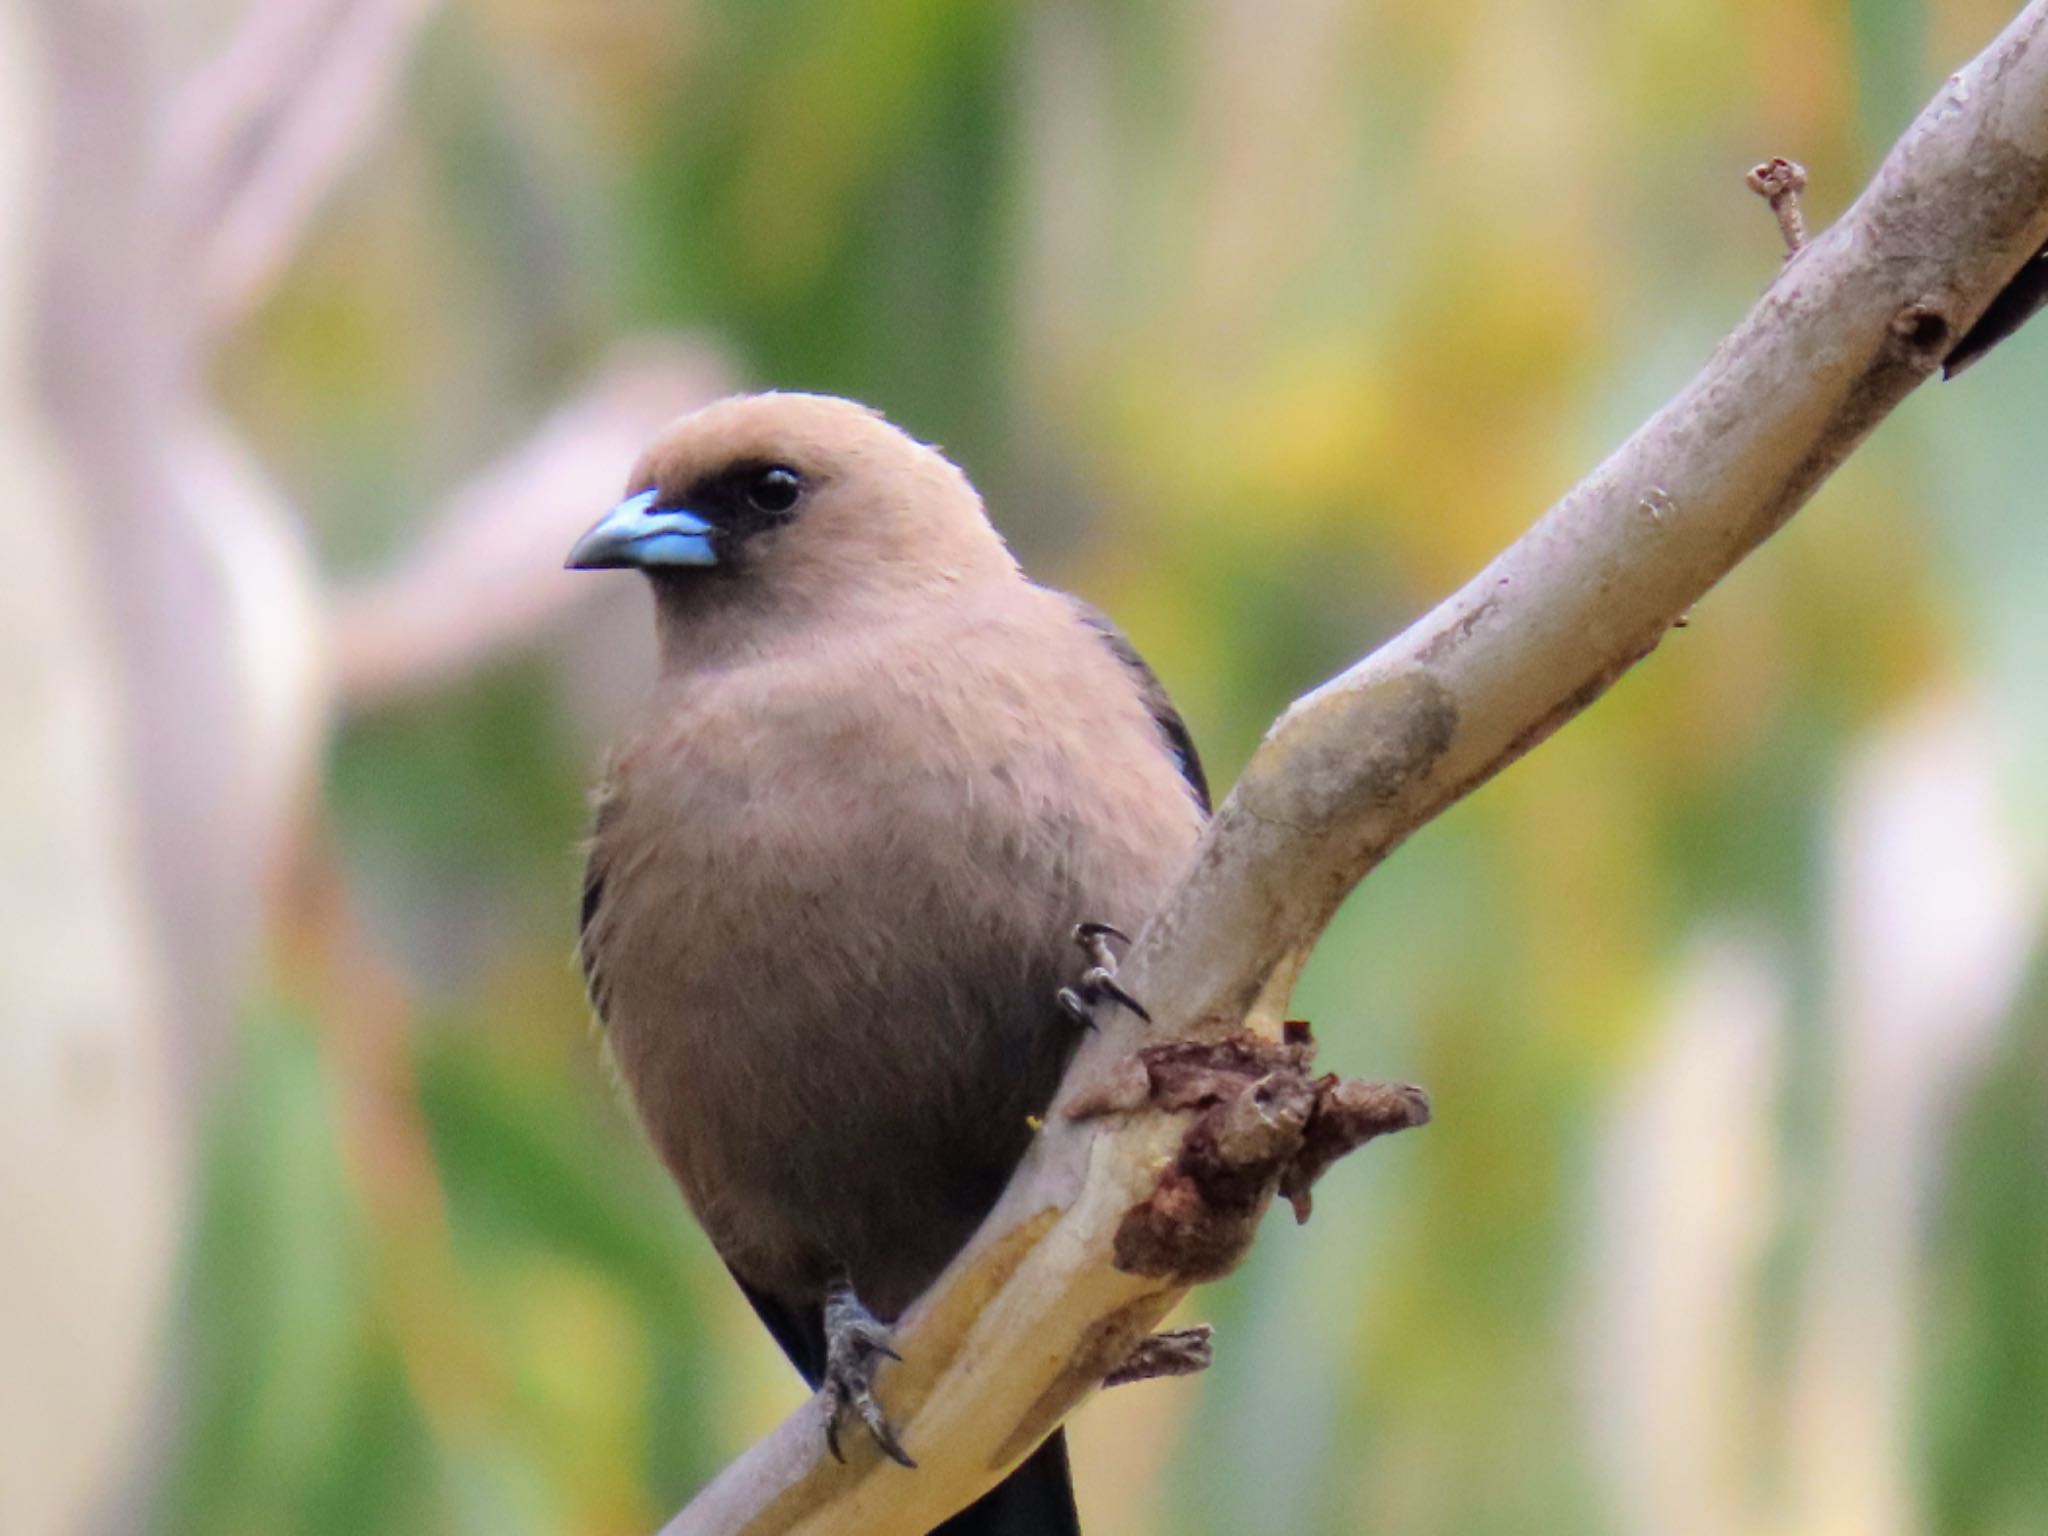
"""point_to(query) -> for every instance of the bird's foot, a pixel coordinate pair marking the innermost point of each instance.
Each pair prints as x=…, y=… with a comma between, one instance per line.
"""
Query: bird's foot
x=1098, y=983
x=856, y=1343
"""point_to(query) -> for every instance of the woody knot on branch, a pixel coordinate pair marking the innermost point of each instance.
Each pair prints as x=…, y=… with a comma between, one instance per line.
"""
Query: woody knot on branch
x=1261, y=1125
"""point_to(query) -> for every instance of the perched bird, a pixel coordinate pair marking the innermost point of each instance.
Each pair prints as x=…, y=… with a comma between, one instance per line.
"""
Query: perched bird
x=840, y=862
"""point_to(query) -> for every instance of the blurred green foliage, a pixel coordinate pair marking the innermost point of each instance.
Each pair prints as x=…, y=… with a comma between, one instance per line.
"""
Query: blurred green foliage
x=1263, y=327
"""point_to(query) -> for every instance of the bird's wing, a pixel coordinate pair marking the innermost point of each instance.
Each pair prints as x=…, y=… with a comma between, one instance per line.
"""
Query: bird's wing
x=799, y=1330
x=1171, y=726
x=593, y=903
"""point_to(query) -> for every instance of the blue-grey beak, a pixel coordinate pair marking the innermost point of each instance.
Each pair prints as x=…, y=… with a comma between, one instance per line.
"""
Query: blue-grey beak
x=637, y=534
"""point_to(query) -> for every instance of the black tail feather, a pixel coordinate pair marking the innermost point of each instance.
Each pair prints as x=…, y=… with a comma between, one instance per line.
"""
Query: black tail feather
x=1035, y=1500
x=2013, y=307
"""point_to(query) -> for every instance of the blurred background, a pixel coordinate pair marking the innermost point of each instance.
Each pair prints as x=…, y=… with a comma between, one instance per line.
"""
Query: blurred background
x=326, y=324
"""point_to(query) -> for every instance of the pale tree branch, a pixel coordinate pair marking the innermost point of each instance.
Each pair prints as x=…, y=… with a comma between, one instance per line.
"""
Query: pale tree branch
x=164, y=637
x=487, y=573
x=1036, y=1311
x=1688, y=1197
x=257, y=140
x=111, y=704
x=1935, y=910
x=218, y=117
x=1934, y=906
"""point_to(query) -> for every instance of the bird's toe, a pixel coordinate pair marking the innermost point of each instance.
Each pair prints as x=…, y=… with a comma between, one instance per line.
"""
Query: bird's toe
x=856, y=1344
x=1098, y=984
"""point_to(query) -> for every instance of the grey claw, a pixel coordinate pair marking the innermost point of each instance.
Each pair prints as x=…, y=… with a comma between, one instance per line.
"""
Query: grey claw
x=1075, y=1007
x=1094, y=941
x=1085, y=934
x=878, y=1425
x=856, y=1342
x=1099, y=981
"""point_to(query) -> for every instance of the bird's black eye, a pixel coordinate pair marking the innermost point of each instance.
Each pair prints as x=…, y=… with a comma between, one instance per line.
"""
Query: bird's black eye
x=774, y=490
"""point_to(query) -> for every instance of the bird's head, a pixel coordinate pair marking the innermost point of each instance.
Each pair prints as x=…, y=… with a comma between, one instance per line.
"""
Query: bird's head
x=790, y=495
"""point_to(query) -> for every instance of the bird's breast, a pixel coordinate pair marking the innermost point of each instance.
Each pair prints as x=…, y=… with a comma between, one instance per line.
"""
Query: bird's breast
x=837, y=908
x=831, y=955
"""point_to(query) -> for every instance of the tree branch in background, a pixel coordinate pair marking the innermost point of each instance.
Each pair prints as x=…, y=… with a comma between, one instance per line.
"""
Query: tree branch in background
x=258, y=139
x=487, y=575
x=171, y=636
x=1934, y=918
x=96, y=1112
x=1688, y=1185
x=1037, y=1310
x=1934, y=915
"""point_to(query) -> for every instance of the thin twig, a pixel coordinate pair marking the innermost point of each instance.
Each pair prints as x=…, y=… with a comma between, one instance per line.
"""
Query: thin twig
x=1779, y=182
x=486, y=575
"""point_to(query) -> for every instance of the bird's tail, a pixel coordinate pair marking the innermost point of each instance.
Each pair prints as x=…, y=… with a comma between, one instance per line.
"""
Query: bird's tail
x=1035, y=1500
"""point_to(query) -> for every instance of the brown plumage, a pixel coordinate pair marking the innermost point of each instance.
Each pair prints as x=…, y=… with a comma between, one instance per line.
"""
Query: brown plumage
x=839, y=859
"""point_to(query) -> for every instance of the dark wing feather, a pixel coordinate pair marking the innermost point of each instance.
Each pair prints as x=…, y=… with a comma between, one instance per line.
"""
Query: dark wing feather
x=593, y=903
x=1171, y=726
x=799, y=1330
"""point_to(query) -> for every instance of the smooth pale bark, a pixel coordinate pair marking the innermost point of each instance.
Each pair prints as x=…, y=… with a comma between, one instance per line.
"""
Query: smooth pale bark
x=91, y=1171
